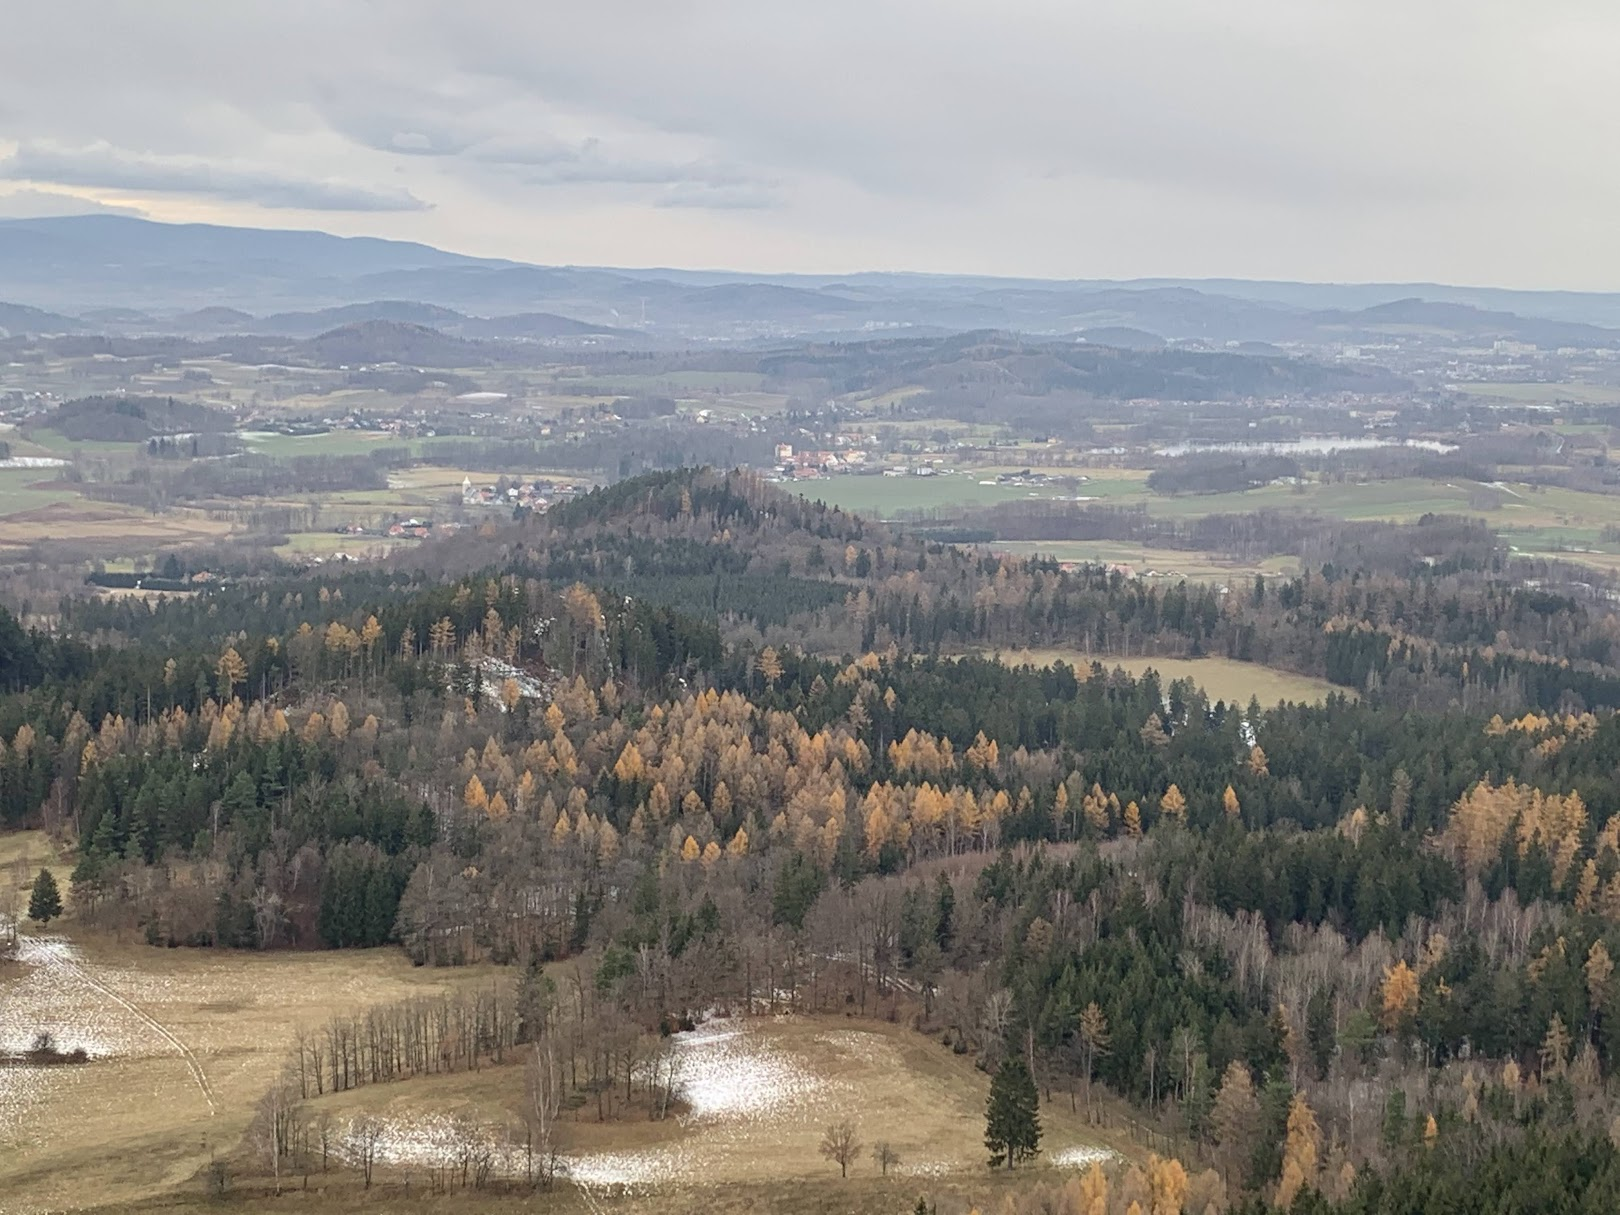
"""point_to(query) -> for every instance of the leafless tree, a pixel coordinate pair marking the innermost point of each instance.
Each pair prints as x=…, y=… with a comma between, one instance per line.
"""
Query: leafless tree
x=268, y=916
x=542, y=1101
x=665, y=1076
x=840, y=1144
x=885, y=1155
x=323, y=1136
x=274, y=1122
x=366, y=1133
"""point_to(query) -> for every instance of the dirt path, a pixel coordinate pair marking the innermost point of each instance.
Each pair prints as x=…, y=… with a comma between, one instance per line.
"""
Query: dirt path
x=54, y=953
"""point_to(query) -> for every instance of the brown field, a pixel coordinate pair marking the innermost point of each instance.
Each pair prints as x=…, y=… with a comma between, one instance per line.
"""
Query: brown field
x=760, y=1093
x=183, y=1043
x=1221, y=678
x=84, y=520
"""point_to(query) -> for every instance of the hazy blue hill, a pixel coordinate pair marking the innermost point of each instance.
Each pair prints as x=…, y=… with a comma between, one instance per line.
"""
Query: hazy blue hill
x=19, y=318
x=216, y=319
x=535, y=326
x=94, y=261
x=76, y=264
x=308, y=324
x=1467, y=320
x=1123, y=337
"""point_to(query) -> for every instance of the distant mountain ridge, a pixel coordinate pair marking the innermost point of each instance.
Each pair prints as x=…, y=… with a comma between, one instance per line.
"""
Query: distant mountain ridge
x=102, y=273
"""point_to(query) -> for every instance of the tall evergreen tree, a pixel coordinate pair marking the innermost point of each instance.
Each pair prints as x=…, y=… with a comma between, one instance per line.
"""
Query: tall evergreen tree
x=1012, y=1129
x=45, y=901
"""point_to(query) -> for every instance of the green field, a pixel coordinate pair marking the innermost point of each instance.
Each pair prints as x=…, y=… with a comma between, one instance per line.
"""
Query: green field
x=330, y=544
x=59, y=444
x=1555, y=516
x=1174, y=563
x=887, y=497
x=1545, y=394
x=18, y=490
x=669, y=383
x=333, y=443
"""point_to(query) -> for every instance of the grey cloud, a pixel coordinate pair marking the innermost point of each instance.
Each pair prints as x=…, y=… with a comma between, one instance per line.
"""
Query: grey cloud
x=100, y=166
x=699, y=195
x=1333, y=139
x=470, y=136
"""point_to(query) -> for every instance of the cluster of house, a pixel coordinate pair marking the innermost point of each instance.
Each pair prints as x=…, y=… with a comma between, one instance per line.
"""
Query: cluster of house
x=535, y=495
x=809, y=464
x=401, y=529
x=1026, y=477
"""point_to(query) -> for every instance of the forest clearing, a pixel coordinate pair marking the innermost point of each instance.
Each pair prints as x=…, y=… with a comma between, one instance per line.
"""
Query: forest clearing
x=182, y=1043
x=1221, y=678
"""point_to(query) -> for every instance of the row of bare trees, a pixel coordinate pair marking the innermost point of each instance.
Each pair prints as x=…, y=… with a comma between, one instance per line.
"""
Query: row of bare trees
x=453, y=1032
x=288, y=1139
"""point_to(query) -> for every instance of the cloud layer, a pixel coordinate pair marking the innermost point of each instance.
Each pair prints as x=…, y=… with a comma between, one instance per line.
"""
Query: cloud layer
x=103, y=167
x=1346, y=139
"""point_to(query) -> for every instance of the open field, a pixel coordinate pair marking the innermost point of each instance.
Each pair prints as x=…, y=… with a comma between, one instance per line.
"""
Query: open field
x=25, y=489
x=332, y=443
x=183, y=1043
x=59, y=444
x=332, y=544
x=1166, y=562
x=669, y=383
x=1221, y=678
x=134, y=531
x=1557, y=517
x=886, y=497
x=1538, y=394
x=756, y=1095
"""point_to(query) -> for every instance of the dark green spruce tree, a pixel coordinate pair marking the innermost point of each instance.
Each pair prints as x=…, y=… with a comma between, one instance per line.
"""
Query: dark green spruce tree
x=1012, y=1129
x=45, y=901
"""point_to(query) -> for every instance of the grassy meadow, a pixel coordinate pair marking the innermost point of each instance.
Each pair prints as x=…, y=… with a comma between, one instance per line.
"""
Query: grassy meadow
x=1221, y=678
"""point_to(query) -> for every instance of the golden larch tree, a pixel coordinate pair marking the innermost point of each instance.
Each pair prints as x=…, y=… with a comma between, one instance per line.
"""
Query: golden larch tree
x=1173, y=804
x=231, y=670
x=1302, y=1146
x=1167, y=1184
x=1398, y=996
x=770, y=666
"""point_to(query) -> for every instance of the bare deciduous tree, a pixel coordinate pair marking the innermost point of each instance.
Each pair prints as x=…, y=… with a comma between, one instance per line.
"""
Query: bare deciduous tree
x=840, y=1144
x=542, y=1100
x=366, y=1133
x=273, y=1128
x=885, y=1156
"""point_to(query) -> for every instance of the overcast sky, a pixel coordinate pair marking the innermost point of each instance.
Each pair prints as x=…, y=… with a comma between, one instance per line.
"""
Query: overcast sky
x=1468, y=141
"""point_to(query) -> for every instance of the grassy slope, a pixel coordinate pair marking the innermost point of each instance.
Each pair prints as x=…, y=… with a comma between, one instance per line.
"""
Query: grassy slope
x=137, y=1122
x=1221, y=678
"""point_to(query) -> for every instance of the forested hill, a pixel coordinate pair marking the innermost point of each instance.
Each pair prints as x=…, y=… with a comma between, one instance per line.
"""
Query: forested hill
x=766, y=565
x=1021, y=367
x=721, y=745
x=763, y=566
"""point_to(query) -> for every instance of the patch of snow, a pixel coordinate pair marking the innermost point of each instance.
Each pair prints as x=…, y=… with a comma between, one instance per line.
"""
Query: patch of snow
x=1081, y=1157
x=728, y=1073
x=496, y=673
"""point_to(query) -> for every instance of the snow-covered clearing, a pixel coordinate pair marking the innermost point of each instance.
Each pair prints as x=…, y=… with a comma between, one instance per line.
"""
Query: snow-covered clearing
x=755, y=1096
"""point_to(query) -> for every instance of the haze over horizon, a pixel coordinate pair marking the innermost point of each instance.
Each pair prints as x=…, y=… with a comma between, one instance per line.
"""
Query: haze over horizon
x=1340, y=142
